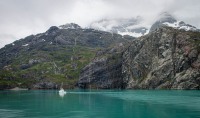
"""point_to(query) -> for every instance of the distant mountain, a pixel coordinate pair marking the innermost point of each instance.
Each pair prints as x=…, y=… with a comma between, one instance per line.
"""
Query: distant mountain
x=165, y=19
x=135, y=26
x=132, y=26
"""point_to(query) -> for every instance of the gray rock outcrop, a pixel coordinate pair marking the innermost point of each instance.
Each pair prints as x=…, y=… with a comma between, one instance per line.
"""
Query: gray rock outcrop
x=167, y=58
x=164, y=59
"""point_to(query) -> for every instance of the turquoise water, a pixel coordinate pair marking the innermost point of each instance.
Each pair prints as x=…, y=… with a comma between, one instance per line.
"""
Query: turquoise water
x=100, y=104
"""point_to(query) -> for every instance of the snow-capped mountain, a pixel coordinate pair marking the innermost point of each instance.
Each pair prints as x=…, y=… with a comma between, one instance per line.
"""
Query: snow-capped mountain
x=132, y=26
x=166, y=19
x=135, y=26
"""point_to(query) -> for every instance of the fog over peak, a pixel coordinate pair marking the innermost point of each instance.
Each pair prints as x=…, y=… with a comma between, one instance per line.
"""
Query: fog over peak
x=20, y=18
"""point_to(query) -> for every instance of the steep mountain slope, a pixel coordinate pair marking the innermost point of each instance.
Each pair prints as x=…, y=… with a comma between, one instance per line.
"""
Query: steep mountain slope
x=46, y=60
x=166, y=58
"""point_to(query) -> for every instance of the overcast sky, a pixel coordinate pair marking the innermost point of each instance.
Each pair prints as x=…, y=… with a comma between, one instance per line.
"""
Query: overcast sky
x=20, y=18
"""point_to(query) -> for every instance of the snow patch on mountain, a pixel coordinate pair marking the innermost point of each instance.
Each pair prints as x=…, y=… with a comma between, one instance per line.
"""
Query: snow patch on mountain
x=134, y=34
x=175, y=24
x=25, y=45
x=181, y=25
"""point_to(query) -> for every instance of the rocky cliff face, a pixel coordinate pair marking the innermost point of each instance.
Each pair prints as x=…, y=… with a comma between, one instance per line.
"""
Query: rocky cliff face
x=167, y=58
x=164, y=59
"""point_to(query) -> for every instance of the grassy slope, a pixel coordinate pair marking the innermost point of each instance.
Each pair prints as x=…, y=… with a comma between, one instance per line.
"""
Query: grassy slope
x=57, y=67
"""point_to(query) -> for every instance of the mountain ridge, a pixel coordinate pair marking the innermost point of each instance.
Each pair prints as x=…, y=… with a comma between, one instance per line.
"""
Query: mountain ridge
x=87, y=57
x=45, y=60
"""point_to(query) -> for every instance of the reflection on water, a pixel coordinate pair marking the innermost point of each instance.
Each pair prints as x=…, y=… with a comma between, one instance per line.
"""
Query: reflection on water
x=100, y=104
x=5, y=113
x=62, y=94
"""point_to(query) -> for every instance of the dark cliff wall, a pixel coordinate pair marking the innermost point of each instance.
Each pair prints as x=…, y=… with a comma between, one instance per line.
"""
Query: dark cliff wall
x=164, y=59
x=105, y=70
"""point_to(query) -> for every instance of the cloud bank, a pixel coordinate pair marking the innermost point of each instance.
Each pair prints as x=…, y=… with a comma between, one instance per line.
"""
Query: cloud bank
x=20, y=18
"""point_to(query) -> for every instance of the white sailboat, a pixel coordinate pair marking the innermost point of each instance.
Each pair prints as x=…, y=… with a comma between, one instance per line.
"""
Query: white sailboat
x=62, y=92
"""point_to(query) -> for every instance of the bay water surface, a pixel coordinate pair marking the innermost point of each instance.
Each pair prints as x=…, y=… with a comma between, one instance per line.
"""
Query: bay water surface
x=100, y=104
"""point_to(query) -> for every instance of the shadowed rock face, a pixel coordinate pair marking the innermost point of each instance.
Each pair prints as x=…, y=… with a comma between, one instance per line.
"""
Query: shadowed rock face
x=105, y=70
x=164, y=59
